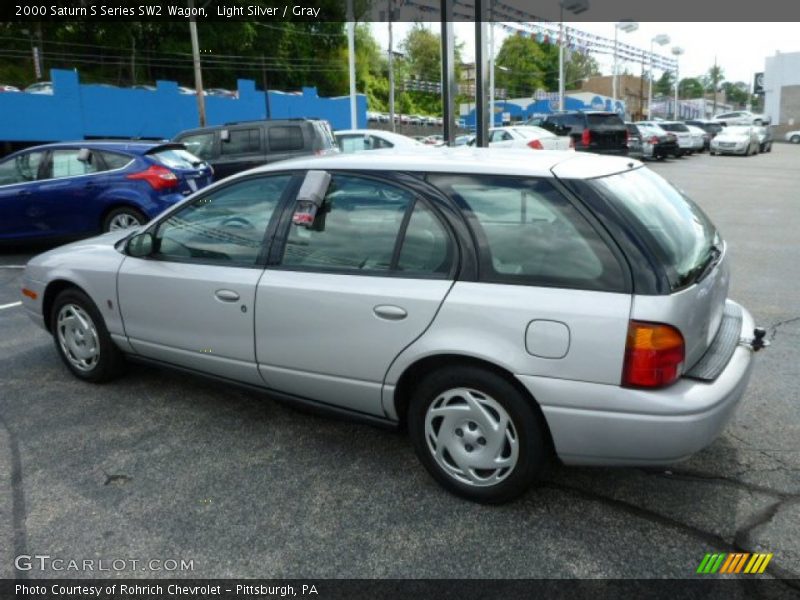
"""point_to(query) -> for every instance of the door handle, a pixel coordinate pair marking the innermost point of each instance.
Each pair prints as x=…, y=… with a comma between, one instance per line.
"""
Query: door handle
x=226, y=295
x=24, y=193
x=390, y=312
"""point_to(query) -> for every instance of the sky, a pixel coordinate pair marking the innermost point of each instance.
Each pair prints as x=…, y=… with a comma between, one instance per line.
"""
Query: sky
x=740, y=48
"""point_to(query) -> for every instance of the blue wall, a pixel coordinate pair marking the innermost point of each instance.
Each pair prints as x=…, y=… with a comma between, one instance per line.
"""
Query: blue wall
x=76, y=110
x=522, y=112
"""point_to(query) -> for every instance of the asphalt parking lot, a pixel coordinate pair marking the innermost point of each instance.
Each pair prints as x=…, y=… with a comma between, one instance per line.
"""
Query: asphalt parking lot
x=159, y=465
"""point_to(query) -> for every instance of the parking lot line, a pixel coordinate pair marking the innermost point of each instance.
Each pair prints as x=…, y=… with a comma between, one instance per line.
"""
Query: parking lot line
x=12, y=305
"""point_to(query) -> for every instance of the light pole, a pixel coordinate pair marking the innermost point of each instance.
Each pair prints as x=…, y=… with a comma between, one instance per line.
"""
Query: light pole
x=677, y=51
x=661, y=39
x=627, y=26
x=575, y=7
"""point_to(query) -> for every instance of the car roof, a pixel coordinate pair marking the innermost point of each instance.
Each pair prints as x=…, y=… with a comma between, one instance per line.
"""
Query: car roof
x=132, y=146
x=484, y=161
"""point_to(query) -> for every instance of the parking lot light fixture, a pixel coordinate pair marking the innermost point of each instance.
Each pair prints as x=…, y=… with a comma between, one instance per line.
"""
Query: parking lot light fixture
x=662, y=40
x=575, y=7
x=627, y=26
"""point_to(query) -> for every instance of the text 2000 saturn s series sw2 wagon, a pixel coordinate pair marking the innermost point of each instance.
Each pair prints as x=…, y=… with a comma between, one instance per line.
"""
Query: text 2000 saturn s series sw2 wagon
x=500, y=305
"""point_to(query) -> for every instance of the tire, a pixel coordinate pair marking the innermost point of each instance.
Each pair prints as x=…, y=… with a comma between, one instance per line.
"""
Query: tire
x=449, y=442
x=123, y=217
x=82, y=340
x=795, y=139
x=769, y=147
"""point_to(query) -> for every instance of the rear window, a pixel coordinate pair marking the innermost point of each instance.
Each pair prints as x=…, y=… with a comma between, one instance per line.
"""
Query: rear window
x=677, y=231
x=177, y=158
x=600, y=120
x=675, y=127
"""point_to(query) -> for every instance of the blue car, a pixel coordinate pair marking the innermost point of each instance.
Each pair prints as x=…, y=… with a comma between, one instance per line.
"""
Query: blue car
x=76, y=189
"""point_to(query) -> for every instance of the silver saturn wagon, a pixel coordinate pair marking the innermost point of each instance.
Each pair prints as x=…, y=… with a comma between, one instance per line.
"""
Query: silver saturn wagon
x=501, y=306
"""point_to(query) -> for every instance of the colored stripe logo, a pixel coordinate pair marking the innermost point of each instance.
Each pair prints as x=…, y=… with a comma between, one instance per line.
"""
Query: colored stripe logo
x=735, y=562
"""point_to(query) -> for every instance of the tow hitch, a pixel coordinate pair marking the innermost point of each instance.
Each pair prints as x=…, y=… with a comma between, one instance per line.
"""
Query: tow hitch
x=758, y=342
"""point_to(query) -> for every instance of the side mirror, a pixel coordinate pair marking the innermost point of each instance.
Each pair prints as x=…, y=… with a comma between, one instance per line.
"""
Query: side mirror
x=140, y=245
x=85, y=155
x=225, y=135
x=310, y=198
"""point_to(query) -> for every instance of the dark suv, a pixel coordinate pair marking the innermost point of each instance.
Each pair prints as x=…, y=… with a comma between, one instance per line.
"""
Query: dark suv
x=591, y=131
x=235, y=147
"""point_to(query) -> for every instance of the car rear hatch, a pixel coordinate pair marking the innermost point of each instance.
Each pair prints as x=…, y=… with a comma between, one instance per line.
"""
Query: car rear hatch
x=684, y=244
x=607, y=131
x=192, y=172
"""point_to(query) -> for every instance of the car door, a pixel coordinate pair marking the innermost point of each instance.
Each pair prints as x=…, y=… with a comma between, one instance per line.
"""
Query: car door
x=345, y=296
x=19, y=193
x=71, y=180
x=191, y=302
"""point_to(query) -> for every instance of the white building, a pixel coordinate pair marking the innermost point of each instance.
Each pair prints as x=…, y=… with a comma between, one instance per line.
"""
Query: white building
x=782, y=88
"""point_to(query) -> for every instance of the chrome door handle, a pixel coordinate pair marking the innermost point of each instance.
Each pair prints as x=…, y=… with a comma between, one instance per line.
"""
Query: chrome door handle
x=227, y=295
x=390, y=312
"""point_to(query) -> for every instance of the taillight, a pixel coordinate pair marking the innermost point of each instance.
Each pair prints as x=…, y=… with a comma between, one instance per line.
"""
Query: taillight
x=586, y=137
x=536, y=145
x=654, y=355
x=654, y=140
x=627, y=136
x=159, y=178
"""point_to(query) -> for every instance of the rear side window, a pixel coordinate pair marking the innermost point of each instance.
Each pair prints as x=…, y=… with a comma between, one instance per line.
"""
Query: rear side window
x=242, y=141
x=65, y=163
x=285, y=138
x=356, y=230
x=113, y=160
x=530, y=234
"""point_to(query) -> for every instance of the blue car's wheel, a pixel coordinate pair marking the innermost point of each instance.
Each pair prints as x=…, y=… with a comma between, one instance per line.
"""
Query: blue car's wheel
x=123, y=217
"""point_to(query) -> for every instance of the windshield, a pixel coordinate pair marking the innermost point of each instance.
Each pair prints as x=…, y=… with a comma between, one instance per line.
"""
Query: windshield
x=677, y=231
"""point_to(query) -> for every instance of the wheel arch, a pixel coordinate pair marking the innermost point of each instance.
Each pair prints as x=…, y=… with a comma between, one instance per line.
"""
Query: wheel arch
x=416, y=371
x=51, y=292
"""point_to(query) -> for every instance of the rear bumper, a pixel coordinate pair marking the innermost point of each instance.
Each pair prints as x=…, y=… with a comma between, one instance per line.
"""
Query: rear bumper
x=594, y=424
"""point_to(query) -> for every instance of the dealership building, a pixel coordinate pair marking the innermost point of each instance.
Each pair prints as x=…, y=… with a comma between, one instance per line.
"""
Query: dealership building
x=782, y=88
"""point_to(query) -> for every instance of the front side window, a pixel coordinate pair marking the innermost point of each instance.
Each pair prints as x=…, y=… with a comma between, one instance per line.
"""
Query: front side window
x=242, y=141
x=20, y=169
x=65, y=163
x=356, y=228
x=225, y=226
x=531, y=234
x=200, y=144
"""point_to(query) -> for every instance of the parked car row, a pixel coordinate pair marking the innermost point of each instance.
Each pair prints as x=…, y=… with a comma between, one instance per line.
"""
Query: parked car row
x=403, y=119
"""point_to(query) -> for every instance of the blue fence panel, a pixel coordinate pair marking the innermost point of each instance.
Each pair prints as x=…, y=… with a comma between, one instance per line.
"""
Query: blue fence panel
x=76, y=111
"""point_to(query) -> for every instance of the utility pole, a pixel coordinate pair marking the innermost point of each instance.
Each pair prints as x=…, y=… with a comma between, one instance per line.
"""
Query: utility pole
x=268, y=111
x=198, y=74
x=714, y=83
x=351, y=61
x=448, y=72
x=391, y=67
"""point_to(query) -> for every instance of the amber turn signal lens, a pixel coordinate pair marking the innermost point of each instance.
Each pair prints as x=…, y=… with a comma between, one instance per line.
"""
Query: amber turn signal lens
x=29, y=293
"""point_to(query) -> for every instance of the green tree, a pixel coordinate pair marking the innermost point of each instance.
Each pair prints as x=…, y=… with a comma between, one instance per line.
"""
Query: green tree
x=736, y=93
x=665, y=85
x=713, y=78
x=580, y=66
x=691, y=87
x=520, y=66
